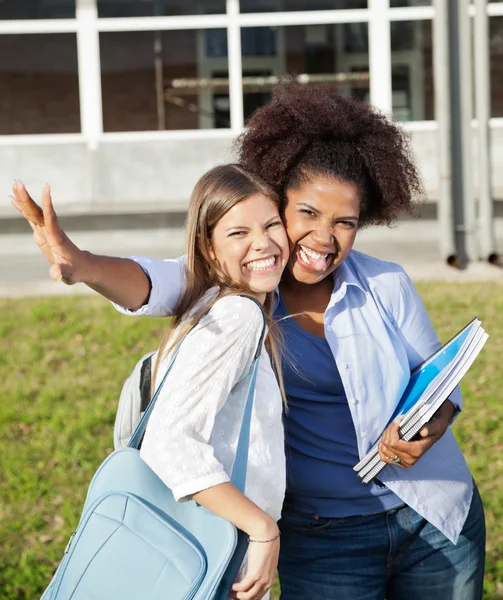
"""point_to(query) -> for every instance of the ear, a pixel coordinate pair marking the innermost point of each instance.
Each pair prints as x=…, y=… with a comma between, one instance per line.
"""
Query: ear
x=212, y=254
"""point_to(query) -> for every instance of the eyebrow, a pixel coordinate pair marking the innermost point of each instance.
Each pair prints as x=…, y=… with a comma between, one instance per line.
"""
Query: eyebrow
x=274, y=218
x=348, y=218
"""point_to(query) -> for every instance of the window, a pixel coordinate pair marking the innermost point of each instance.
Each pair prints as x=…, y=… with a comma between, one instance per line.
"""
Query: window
x=412, y=70
x=496, y=65
x=257, y=6
x=38, y=76
x=37, y=9
x=150, y=8
x=405, y=3
x=323, y=51
x=152, y=80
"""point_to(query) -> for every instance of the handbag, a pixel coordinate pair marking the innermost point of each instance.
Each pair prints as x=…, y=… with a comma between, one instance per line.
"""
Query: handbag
x=135, y=542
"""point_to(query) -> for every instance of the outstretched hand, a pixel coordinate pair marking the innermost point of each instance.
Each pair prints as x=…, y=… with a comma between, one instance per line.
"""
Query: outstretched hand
x=398, y=452
x=66, y=259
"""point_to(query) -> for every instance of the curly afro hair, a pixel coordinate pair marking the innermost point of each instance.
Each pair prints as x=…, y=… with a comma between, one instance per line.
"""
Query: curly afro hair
x=306, y=131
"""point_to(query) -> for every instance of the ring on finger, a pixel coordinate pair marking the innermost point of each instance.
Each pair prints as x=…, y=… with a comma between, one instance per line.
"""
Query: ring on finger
x=396, y=459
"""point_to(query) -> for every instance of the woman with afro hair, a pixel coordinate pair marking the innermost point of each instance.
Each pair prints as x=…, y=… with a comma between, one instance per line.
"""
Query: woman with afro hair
x=356, y=329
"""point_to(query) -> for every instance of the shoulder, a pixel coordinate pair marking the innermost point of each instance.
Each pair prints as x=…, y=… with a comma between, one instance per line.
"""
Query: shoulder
x=370, y=266
x=386, y=281
x=368, y=269
x=235, y=311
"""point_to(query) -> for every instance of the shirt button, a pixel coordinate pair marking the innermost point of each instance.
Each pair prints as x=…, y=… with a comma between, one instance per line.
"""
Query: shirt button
x=329, y=328
x=421, y=507
x=353, y=400
x=345, y=365
x=364, y=434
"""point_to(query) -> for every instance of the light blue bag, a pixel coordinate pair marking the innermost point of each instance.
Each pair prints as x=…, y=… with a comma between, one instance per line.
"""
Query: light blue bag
x=135, y=542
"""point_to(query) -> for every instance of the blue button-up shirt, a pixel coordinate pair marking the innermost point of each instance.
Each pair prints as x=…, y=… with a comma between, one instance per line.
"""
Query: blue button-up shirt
x=378, y=330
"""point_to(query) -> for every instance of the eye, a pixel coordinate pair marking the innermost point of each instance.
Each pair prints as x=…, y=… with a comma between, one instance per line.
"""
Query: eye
x=308, y=212
x=237, y=233
x=274, y=224
x=347, y=224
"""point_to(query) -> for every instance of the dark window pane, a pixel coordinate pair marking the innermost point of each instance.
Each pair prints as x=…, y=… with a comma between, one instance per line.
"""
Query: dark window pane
x=39, y=83
x=496, y=58
x=401, y=3
x=254, y=6
x=412, y=70
x=37, y=9
x=159, y=80
x=332, y=53
x=149, y=8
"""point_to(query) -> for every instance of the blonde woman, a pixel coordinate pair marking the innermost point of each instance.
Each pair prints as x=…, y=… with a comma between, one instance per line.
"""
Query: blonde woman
x=236, y=244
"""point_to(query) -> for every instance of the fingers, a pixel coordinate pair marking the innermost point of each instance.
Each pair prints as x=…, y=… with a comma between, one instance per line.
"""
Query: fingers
x=16, y=204
x=47, y=207
x=393, y=457
x=431, y=429
x=408, y=452
x=393, y=450
x=25, y=204
x=247, y=589
x=56, y=273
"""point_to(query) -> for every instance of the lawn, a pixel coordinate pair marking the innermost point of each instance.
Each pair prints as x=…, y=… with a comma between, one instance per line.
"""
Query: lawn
x=62, y=363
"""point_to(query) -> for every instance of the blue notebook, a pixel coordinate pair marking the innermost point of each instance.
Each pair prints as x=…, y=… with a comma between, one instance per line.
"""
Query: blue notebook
x=430, y=385
x=426, y=372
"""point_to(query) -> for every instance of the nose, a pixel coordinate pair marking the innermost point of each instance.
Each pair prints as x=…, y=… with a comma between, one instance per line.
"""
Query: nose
x=323, y=235
x=260, y=241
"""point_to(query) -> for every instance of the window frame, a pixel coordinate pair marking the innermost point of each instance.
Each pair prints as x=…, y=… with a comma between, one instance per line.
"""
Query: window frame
x=88, y=26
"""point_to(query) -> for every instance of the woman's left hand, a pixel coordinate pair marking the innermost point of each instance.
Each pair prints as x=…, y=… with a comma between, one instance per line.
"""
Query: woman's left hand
x=395, y=451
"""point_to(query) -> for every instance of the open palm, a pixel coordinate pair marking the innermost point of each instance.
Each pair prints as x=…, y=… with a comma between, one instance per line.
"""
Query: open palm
x=56, y=246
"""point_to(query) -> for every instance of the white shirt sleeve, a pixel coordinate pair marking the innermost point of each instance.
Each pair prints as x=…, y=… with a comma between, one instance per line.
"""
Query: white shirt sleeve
x=168, y=280
x=417, y=331
x=212, y=359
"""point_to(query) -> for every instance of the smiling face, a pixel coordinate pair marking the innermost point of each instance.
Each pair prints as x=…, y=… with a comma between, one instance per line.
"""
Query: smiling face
x=250, y=245
x=321, y=220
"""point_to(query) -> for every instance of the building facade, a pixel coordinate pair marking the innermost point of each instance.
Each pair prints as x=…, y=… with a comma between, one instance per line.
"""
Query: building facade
x=122, y=104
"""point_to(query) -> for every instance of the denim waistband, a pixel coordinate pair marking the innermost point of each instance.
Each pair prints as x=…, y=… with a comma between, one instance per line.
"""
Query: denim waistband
x=392, y=510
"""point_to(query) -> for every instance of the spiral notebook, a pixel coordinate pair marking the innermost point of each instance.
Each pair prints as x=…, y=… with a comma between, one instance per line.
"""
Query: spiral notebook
x=430, y=385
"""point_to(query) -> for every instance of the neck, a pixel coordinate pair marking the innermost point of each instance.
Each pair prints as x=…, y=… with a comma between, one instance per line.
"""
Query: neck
x=290, y=285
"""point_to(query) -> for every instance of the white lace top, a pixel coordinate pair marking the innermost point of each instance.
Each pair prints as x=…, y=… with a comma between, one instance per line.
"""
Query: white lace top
x=191, y=437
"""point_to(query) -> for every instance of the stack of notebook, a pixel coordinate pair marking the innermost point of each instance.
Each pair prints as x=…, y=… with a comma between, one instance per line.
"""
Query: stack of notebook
x=430, y=385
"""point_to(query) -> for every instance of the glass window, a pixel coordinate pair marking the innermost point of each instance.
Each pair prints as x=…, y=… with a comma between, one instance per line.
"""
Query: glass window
x=496, y=65
x=149, y=8
x=164, y=80
x=412, y=70
x=37, y=9
x=39, y=83
x=254, y=6
x=336, y=54
x=401, y=3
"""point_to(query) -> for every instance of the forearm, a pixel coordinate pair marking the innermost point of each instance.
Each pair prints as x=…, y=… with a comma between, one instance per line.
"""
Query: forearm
x=228, y=502
x=121, y=280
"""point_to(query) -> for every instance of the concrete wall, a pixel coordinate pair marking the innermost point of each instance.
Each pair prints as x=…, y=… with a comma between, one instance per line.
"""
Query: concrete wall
x=126, y=175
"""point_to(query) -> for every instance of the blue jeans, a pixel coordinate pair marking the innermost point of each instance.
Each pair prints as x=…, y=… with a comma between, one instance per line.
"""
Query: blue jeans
x=395, y=555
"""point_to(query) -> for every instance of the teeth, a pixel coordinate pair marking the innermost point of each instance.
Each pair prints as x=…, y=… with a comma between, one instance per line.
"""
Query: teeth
x=307, y=252
x=261, y=265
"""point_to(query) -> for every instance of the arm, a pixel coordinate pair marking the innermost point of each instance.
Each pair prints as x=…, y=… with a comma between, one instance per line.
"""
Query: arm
x=121, y=280
x=179, y=443
x=420, y=341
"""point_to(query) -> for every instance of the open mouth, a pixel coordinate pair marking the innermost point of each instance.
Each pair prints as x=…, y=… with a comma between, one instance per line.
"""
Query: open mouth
x=263, y=265
x=312, y=260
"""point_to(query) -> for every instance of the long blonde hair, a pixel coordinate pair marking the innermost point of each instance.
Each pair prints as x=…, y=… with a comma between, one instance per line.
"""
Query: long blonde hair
x=216, y=192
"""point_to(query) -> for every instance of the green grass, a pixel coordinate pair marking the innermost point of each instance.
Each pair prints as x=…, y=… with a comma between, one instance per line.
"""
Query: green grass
x=62, y=364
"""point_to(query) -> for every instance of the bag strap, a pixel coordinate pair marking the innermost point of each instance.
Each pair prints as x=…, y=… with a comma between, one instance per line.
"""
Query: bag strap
x=238, y=477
